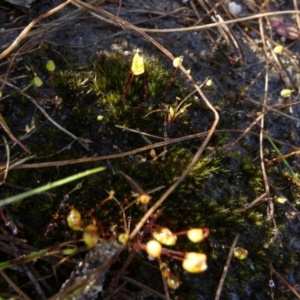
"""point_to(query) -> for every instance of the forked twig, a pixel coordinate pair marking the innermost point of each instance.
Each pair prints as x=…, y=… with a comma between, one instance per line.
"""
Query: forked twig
x=23, y=34
x=255, y=201
x=198, y=27
x=270, y=209
x=78, y=139
x=5, y=127
x=20, y=163
x=195, y=159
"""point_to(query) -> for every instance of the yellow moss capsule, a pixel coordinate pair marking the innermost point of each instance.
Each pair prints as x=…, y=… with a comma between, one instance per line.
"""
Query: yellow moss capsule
x=171, y=112
x=154, y=248
x=74, y=219
x=144, y=199
x=153, y=153
x=278, y=49
x=197, y=235
x=281, y=199
x=123, y=238
x=50, y=65
x=194, y=262
x=177, y=61
x=173, y=282
x=165, y=270
x=165, y=236
x=37, y=81
x=90, y=235
x=240, y=253
x=209, y=82
x=137, y=67
x=286, y=93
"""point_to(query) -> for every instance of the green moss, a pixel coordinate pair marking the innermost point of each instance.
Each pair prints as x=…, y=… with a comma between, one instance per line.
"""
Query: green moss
x=213, y=195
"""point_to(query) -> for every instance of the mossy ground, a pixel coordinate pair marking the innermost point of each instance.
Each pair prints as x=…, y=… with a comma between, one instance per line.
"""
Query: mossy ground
x=213, y=195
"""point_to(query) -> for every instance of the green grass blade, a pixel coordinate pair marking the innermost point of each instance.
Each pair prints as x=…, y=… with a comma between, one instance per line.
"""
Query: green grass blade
x=23, y=259
x=49, y=186
x=294, y=175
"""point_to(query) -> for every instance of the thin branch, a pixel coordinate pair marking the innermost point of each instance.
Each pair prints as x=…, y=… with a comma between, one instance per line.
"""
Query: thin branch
x=23, y=34
x=78, y=139
x=14, y=286
x=225, y=270
x=287, y=284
